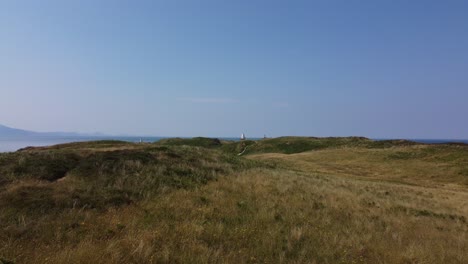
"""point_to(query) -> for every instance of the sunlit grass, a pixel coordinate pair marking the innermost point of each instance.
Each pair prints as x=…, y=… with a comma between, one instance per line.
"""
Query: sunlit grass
x=149, y=204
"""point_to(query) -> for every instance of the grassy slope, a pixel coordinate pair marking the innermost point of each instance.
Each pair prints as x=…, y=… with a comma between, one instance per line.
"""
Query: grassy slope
x=290, y=145
x=426, y=165
x=175, y=201
x=198, y=142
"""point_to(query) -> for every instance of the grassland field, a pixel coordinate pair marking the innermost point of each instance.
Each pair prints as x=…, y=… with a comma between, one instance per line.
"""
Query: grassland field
x=284, y=200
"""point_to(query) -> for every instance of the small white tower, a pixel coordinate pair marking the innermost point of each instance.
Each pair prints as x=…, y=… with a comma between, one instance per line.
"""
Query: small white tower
x=243, y=136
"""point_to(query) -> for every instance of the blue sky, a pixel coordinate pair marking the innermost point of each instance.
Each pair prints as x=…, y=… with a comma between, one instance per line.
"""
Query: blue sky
x=382, y=69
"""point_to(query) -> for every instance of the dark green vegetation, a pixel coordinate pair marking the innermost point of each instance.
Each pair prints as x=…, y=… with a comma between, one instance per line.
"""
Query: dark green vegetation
x=291, y=199
x=198, y=142
x=104, y=177
x=290, y=145
x=286, y=145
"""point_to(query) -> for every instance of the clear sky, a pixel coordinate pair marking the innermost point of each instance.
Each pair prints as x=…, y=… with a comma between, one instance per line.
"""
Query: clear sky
x=381, y=69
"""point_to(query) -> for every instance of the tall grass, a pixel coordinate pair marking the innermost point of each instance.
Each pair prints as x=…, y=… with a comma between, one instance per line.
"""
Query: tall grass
x=163, y=203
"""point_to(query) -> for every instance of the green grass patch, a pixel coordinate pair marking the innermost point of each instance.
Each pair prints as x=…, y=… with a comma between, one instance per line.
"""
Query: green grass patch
x=196, y=142
x=104, y=179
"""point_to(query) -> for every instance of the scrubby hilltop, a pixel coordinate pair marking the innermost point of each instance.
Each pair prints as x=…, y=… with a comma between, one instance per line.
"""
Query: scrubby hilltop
x=107, y=172
x=285, y=200
x=290, y=145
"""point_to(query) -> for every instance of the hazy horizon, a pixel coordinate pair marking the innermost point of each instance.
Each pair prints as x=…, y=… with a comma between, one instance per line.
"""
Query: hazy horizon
x=393, y=69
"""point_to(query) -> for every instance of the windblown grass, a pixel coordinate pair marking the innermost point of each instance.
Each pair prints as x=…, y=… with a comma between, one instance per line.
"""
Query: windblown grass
x=426, y=165
x=290, y=145
x=197, y=142
x=163, y=203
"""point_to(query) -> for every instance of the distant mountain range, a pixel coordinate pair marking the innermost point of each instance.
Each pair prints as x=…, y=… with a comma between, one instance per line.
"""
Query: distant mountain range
x=8, y=132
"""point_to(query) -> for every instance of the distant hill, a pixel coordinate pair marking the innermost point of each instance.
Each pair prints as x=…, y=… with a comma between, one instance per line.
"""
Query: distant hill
x=287, y=145
x=8, y=132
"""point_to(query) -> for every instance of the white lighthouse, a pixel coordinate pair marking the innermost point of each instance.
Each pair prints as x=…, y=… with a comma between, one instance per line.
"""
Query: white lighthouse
x=242, y=136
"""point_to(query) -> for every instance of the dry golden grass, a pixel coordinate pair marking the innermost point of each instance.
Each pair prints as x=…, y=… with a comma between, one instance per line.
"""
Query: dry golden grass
x=419, y=165
x=267, y=216
x=329, y=206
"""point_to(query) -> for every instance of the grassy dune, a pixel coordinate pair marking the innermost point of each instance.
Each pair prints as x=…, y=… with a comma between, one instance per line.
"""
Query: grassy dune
x=426, y=165
x=286, y=200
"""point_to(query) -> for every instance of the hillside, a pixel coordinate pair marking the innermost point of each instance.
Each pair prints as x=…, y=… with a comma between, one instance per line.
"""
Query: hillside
x=290, y=145
x=10, y=132
x=285, y=200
